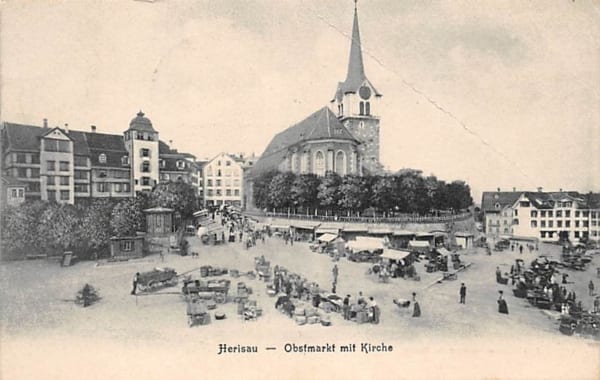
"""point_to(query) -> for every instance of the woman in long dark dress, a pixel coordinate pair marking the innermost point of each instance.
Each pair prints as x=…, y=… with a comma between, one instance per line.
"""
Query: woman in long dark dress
x=416, y=306
x=502, y=306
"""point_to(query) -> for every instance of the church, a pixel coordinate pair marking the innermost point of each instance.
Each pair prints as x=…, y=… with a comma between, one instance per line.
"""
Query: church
x=342, y=137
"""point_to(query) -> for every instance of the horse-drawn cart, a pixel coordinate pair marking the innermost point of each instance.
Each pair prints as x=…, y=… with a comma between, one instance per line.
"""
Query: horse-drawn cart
x=156, y=279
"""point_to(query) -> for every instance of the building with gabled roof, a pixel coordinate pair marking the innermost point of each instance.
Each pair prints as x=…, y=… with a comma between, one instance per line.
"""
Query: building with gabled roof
x=58, y=164
x=548, y=216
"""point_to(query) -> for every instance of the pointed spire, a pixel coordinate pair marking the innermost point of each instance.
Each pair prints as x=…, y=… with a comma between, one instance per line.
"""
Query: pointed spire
x=356, y=70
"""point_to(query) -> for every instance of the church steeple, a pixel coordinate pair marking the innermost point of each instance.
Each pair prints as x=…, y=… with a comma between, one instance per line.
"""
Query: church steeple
x=356, y=70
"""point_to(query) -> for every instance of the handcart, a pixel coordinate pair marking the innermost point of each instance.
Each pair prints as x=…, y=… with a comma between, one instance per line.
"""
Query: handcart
x=197, y=313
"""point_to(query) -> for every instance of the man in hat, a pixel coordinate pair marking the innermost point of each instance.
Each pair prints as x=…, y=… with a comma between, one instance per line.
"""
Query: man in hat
x=346, y=307
x=463, y=293
x=416, y=306
x=591, y=287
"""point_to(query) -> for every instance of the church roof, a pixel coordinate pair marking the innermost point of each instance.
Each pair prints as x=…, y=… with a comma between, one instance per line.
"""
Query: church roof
x=356, y=69
x=321, y=125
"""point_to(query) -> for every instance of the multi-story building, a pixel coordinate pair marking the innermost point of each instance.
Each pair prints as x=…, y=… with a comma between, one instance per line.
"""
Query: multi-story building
x=548, y=216
x=223, y=180
x=58, y=164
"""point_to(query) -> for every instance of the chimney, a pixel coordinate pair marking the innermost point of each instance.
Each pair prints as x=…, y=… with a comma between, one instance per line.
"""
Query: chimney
x=93, y=127
x=514, y=189
x=67, y=127
x=560, y=190
x=540, y=189
x=170, y=143
x=45, y=123
x=498, y=189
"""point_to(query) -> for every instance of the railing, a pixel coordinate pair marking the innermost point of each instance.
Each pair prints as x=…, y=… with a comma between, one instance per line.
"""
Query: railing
x=373, y=220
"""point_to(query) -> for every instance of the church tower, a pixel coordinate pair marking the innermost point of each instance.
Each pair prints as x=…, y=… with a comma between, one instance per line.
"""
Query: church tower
x=356, y=104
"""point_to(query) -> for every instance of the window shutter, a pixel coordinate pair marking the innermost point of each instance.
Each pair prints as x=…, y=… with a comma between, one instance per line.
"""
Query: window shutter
x=149, y=153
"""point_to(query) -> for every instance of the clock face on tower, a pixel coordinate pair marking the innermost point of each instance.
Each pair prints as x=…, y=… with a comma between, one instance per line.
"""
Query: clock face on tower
x=364, y=92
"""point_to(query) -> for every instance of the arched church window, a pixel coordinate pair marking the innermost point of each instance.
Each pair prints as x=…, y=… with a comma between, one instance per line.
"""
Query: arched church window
x=361, y=108
x=319, y=163
x=304, y=162
x=367, y=108
x=340, y=163
x=294, y=163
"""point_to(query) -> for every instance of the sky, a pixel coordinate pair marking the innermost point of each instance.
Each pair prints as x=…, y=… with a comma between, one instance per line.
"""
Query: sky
x=502, y=94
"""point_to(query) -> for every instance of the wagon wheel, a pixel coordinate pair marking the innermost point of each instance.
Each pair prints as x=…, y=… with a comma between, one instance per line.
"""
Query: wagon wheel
x=142, y=288
x=152, y=285
x=220, y=297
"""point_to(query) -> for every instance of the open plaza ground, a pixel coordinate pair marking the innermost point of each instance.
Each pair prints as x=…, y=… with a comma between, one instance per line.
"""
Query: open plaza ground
x=45, y=335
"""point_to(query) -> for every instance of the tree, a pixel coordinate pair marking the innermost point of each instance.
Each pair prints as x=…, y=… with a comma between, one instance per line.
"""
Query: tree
x=280, y=190
x=458, y=195
x=178, y=195
x=354, y=194
x=305, y=190
x=128, y=217
x=329, y=191
x=20, y=227
x=260, y=189
x=96, y=224
x=384, y=192
x=59, y=226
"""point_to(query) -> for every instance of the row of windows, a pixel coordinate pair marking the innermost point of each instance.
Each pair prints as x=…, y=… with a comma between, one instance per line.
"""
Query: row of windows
x=146, y=136
x=22, y=173
x=227, y=182
x=560, y=224
x=63, y=180
x=22, y=158
x=116, y=187
x=64, y=195
x=560, y=214
x=220, y=173
x=218, y=192
x=63, y=166
x=54, y=145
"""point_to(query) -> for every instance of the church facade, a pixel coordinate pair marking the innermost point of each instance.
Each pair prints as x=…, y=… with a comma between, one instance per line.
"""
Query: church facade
x=342, y=137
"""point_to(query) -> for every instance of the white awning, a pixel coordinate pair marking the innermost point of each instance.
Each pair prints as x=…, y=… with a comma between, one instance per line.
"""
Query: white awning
x=327, y=230
x=380, y=231
x=280, y=226
x=394, y=254
x=403, y=233
x=327, y=238
x=365, y=243
x=443, y=251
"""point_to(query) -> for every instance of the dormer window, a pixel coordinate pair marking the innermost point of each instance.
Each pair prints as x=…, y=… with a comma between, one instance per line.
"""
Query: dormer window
x=180, y=164
x=125, y=160
x=162, y=164
x=497, y=206
x=102, y=158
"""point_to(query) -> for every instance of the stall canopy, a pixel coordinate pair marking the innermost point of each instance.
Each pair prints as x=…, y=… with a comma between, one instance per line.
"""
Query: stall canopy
x=464, y=234
x=306, y=225
x=327, y=238
x=393, y=254
x=280, y=226
x=403, y=233
x=418, y=244
x=380, y=231
x=365, y=243
x=354, y=229
x=327, y=230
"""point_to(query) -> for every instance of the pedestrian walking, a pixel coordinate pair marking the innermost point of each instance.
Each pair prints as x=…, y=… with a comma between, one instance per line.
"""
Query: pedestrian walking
x=374, y=310
x=416, y=306
x=597, y=304
x=136, y=278
x=591, y=287
x=521, y=249
x=502, y=306
x=346, y=307
x=335, y=271
x=463, y=293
